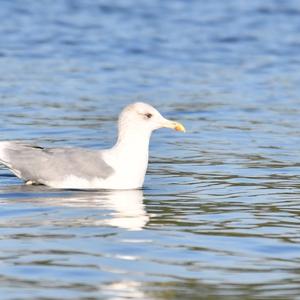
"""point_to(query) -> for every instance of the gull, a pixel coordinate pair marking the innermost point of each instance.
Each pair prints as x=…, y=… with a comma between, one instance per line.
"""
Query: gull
x=121, y=167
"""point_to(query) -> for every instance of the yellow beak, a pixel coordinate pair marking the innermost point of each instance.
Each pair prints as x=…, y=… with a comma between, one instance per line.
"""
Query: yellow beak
x=174, y=125
x=179, y=127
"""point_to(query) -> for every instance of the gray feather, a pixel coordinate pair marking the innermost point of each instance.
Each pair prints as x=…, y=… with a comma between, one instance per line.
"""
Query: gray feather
x=39, y=165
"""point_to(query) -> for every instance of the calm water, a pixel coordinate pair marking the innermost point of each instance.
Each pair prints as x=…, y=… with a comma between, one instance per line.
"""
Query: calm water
x=219, y=217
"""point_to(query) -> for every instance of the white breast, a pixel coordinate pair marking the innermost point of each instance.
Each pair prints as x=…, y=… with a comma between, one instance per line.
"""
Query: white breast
x=129, y=169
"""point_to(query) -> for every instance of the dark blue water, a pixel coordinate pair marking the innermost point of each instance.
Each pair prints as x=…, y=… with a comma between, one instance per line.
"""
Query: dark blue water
x=219, y=217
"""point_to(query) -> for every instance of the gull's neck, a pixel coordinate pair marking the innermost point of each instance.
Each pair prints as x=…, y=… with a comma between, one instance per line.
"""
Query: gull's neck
x=132, y=142
x=129, y=157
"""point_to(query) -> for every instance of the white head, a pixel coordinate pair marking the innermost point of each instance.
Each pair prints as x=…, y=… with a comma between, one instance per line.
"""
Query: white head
x=136, y=123
x=142, y=117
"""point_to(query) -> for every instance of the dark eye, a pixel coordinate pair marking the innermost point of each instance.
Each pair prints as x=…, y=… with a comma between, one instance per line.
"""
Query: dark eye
x=148, y=115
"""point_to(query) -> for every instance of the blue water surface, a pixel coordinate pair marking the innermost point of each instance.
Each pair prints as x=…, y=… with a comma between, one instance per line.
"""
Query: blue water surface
x=219, y=217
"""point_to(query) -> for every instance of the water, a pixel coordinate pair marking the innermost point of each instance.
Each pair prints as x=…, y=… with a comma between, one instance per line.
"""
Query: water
x=219, y=217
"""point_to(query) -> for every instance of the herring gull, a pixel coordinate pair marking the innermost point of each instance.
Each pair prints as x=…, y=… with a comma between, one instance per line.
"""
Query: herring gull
x=121, y=167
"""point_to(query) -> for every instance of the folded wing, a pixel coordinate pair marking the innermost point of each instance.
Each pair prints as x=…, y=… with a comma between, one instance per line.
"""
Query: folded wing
x=41, y=165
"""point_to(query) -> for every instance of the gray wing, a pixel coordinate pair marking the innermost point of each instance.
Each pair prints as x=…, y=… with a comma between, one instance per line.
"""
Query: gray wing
x=37, y=164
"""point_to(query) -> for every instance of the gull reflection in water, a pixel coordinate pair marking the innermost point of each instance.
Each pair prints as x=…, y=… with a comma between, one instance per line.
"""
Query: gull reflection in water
x=120, y=208
x=126, y=208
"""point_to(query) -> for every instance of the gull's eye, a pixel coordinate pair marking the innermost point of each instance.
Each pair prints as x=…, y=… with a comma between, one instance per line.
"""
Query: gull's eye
x=148, y=115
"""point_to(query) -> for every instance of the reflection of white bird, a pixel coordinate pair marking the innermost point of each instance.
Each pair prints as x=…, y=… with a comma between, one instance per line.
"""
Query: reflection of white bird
x=126, y=289
x=121, y=167
x=126, y=207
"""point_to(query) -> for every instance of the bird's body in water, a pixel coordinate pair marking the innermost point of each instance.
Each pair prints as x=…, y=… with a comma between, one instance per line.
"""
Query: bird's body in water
x=121, y=167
